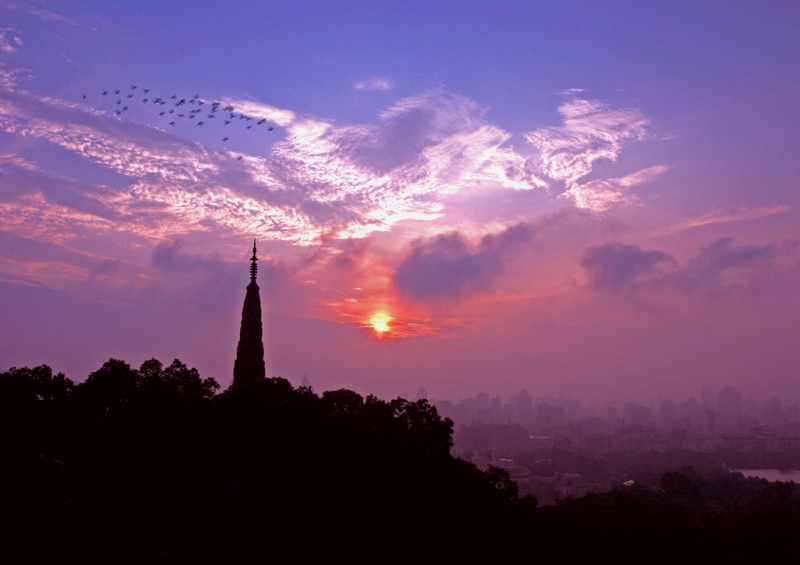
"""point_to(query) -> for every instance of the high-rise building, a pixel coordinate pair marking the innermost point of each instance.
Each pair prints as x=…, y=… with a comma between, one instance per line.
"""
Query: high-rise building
x=249, y=367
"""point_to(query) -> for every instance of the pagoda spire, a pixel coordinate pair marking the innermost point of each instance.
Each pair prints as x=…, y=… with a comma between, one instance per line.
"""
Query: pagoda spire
x=253, y=266
x=249, y=367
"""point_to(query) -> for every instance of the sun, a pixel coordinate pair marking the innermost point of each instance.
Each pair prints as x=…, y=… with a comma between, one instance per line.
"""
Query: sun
x=380, y=323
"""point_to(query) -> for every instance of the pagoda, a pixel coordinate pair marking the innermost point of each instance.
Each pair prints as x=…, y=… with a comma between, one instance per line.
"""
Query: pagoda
x=249, y=367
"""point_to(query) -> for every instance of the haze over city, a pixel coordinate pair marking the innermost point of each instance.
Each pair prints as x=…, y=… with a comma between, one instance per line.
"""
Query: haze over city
x=590, y=199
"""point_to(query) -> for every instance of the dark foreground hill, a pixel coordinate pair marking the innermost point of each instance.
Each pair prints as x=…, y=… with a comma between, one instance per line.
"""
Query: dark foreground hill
x=155, y=465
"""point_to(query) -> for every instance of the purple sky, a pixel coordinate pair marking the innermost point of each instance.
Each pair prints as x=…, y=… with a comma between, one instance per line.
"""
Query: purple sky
x=590, y=198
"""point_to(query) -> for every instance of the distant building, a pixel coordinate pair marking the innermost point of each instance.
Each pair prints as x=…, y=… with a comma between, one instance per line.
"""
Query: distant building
x=549, y=417
x=729, y=408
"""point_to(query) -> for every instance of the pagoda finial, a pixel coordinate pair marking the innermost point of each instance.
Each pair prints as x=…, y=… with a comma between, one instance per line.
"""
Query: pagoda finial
x=253, y=266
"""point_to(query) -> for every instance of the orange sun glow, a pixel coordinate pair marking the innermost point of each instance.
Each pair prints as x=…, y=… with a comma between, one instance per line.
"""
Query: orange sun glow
x=380, y=323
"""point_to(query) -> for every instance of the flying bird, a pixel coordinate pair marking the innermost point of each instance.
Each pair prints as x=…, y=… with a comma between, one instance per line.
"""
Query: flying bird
x=172, y=123
x=224, y=139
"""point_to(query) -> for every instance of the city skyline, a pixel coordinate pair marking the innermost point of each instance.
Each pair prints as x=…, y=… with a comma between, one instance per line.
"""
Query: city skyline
x=596, y=201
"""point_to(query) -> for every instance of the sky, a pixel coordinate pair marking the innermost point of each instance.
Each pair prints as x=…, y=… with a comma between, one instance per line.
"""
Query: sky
x=597, y=199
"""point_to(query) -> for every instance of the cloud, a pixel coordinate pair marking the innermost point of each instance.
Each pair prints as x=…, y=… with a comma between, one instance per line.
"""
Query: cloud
x=262, y=111
x=590, y=131
x=373, y=84
x=738, y=214
x=449, y=267
x=38, y=12
x=321, y=180
x=722, y=266
x=35, y=262
x=8, y=46
x=717, y=269
x=601, y=194
x=613, y=266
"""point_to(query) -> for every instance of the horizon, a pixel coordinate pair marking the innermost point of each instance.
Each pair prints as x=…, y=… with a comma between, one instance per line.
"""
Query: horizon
x=594, y=201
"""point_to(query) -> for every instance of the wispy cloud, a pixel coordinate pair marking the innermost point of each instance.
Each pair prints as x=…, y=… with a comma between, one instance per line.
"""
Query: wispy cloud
x=260, y=110
x=730, y=215
x=38, y=12
x=9, y=41
x=590, y=131
x=601, y=194
x=375, y=83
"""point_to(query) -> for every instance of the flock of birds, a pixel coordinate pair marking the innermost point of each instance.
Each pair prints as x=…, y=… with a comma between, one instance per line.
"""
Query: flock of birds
x=175, y=108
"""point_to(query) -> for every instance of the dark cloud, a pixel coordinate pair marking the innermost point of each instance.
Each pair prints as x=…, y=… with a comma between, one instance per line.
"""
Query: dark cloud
x=612, y=266
x=400, y=140
x=704, y=270
x=716, y=269
x=448, y=267
x=214, y=277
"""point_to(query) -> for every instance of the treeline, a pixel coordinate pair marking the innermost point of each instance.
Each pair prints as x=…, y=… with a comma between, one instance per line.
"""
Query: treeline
x=157, y=464
x=154, y=463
